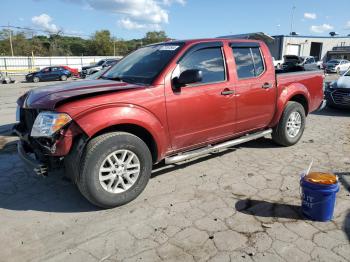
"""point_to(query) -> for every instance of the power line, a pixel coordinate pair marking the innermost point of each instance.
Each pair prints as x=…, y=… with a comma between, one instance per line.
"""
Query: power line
x=44, y=31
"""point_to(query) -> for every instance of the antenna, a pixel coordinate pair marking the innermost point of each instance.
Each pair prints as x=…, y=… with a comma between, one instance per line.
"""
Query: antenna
x=292, y=19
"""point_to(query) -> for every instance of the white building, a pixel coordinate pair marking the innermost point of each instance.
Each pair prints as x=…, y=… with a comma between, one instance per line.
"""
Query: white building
x=321, y=47
x=318, y=46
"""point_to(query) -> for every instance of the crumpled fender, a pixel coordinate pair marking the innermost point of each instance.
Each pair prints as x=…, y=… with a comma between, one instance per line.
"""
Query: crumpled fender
x=99, y=118
x=285, y=95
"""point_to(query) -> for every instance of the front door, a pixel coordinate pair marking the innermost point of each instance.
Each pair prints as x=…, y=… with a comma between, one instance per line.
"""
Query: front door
x=255, y=87
x=205, y=111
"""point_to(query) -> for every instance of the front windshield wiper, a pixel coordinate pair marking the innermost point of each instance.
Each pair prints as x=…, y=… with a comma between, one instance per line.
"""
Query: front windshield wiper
x=117, y=78
x=125, y=79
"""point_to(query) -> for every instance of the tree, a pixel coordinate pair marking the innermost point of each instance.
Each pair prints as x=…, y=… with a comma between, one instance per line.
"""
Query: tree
x=155, y=37
x=101, y=43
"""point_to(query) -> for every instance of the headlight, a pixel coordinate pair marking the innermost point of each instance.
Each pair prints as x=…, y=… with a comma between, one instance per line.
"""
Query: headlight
x=48, y=123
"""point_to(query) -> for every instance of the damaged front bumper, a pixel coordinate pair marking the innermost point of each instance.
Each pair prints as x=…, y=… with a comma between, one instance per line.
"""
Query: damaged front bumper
x=43, y=154
x=38, y=167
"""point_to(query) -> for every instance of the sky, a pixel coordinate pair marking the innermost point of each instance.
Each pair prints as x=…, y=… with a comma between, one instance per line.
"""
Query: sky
x=180, y=19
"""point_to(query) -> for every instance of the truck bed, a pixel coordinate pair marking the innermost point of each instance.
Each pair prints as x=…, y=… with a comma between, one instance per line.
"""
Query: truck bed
x=312, y=80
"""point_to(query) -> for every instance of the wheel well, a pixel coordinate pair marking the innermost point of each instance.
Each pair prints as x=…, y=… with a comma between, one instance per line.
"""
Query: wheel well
x=301, y=100
x=138, y=131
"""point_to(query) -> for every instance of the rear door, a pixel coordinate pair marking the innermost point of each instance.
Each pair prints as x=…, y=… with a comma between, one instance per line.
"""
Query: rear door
x=45, y=73
x=205, y=111
x=255, y=87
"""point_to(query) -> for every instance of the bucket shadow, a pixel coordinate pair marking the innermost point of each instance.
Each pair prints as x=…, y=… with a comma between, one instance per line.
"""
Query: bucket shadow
x=344, y=179
x=262, y=208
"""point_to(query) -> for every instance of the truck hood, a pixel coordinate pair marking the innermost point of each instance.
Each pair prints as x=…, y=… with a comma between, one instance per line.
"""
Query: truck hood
x=47, y=97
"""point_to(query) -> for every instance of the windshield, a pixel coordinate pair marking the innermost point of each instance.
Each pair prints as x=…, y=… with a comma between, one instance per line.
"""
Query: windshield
x=144, y=65
x=100, y=62
x=333, y=62
x=347, y=73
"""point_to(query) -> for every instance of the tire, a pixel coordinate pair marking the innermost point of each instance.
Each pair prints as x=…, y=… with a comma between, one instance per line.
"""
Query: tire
x=282, y=135
x=63, y=78
x=36, y=79
x=95, y=157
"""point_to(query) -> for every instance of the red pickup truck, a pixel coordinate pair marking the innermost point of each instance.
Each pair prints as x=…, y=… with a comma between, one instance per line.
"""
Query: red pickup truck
x=170, y=101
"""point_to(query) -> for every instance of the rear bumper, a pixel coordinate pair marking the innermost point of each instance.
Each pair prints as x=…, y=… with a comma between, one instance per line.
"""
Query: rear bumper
x=322, y=105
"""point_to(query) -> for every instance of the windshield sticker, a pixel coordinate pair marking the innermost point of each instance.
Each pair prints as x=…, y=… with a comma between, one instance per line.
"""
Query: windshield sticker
x=169, y=47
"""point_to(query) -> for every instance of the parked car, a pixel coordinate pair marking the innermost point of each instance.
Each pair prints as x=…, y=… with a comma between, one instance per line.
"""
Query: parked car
x=6, y=79
x=337, y=93
x=309, y=63
x=320, y=64
x=74, y=71
x=169, y=102
x=293, y=63
x=48, y=74
x=337, y=66
x=88, y=70
x=97, y=74
x=277, y=63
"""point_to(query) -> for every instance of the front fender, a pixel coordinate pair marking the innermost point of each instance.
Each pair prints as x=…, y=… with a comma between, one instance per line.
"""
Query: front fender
x=94, y=121
x=287, y=93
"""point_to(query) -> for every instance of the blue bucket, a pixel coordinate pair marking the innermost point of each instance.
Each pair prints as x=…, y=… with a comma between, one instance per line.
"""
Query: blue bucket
x=318, y=200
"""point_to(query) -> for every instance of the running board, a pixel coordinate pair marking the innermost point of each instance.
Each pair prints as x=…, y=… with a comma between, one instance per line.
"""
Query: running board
x=210, y=149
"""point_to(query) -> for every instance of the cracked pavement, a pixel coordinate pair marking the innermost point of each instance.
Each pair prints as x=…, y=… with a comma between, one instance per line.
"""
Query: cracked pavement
x=238, y=205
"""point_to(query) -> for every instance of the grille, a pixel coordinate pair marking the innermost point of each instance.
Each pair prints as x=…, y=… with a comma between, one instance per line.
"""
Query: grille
x=341, y=97
x=27, y=117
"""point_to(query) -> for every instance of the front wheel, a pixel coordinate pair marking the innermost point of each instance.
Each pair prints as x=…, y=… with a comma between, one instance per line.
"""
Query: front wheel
x=116, y=168
x=63, y=77
x=36, y=79
x=291, y=125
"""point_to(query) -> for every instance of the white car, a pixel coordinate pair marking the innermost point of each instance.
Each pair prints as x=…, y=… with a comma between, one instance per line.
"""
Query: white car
x=277, y=63
x=337, y=66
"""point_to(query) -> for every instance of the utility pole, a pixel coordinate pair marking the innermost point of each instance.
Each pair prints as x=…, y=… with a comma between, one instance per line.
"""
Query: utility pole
x=292, y=20
x=10, y=34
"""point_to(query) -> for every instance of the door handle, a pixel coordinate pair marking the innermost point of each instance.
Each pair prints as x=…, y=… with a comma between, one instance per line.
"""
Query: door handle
x=226, y=92
x=266, y=85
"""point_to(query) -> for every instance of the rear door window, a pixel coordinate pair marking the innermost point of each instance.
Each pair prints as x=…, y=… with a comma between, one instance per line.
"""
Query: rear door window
x=249, y=62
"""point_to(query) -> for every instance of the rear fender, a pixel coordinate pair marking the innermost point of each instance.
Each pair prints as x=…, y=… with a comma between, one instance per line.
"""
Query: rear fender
x=98, y=119
x=285, y=95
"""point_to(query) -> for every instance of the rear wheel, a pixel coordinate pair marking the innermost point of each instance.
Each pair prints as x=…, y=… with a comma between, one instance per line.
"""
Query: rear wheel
x=116, y=169
x=36, y=79
x=291, y=125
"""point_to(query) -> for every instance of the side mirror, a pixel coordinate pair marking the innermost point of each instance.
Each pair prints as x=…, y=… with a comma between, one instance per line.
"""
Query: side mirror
x=188, y=77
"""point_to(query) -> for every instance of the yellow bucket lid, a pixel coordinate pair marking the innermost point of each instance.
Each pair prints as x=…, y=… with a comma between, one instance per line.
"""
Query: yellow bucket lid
x=321, y=178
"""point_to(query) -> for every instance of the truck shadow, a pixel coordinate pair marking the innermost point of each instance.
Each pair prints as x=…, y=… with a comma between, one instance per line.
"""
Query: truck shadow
x=263, y=208
x=328, y=111
x=23, y=190
x=161, y=168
